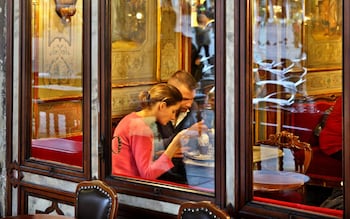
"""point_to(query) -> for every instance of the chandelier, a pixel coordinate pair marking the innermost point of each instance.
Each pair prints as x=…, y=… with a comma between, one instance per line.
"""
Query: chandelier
x=65, y=9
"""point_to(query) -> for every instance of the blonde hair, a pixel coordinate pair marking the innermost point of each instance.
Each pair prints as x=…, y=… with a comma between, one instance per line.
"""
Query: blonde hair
x=160, y=93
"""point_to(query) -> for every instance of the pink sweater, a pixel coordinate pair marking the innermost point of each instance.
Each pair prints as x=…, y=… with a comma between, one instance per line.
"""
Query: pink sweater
x=133, y=149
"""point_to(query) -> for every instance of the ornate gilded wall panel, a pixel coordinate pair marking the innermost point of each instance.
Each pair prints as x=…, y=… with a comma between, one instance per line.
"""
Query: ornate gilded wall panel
x=125, y=100
x=323, y=34
x=134, y=41
x=60, y=61
x=169, y=43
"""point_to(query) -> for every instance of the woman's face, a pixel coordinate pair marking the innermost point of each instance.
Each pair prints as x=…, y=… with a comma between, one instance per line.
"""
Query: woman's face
x=166, y=114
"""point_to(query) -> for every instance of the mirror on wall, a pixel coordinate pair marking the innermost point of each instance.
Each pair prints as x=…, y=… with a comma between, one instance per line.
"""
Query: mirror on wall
x=297, y=101
x=160, y=39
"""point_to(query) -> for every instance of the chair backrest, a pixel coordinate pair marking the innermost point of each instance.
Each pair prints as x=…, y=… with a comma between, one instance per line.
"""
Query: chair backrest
x=95, y=199
x=201, y=210
x=302, y=151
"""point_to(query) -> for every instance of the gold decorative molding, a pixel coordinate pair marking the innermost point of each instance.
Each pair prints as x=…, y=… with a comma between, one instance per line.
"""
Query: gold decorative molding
x=321, y=82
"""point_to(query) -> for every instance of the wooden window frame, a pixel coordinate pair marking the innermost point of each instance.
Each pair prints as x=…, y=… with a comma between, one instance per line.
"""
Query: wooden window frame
x=152, y=189
x=244, y=204
x=60, y=171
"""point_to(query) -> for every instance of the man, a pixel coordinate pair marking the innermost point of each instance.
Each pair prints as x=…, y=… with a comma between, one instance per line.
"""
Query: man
x=186, y=119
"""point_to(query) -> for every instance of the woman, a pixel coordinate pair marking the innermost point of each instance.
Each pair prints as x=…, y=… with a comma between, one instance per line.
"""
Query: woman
x=135, y=138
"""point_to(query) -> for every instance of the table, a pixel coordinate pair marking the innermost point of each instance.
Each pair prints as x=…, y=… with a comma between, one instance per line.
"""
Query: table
x=38, y=216
x=200, y=171
x=279, y=185
x=274, y=180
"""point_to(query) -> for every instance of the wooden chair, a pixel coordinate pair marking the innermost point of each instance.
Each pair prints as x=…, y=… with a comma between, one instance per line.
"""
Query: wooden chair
x=301, y=151
x=95, y=199
x=201, y=210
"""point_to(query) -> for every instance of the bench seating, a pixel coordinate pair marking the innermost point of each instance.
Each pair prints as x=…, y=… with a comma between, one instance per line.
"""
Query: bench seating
x=303, y=117
x=67, y=151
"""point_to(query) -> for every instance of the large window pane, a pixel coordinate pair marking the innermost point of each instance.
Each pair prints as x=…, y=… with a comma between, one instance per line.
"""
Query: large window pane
x=297, y=92
x=57, y=82
x=153, y=41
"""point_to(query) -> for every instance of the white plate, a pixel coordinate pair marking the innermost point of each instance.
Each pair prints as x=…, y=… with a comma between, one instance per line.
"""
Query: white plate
x=198, y=156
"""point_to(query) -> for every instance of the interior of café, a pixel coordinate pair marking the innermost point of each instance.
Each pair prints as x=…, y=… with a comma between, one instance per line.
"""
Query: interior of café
x=258, y=129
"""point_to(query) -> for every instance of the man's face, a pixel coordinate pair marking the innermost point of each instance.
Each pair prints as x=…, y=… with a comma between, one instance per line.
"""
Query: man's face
x=187, y=98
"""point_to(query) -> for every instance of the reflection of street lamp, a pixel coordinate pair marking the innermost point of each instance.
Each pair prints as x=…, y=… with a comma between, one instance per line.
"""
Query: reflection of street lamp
x=65, y=9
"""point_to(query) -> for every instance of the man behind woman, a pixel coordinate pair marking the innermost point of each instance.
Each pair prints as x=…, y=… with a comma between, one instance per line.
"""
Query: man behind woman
x=136, y=139
x=186, y=118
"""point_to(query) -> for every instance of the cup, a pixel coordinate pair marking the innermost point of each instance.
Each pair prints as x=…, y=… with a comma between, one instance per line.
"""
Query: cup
x=203, y=149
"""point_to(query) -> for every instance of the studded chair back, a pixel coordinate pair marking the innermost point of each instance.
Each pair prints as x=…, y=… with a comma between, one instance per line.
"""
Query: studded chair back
x=95, y=199
x=201, y=210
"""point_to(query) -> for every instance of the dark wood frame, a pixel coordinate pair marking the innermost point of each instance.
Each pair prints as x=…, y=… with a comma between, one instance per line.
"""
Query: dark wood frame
x=150, y=189
x=25, y=164
x=244, y=205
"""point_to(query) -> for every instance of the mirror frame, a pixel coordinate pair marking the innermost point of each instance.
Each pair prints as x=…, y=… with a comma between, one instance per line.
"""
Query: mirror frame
x=152, y=189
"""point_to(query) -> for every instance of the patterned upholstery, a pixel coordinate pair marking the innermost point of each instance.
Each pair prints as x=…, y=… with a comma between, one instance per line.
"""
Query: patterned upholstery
x=201, y=210
x=95, y=199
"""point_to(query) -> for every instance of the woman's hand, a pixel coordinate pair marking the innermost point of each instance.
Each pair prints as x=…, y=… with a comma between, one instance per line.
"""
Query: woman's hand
x=199, y=127
x=180, y=140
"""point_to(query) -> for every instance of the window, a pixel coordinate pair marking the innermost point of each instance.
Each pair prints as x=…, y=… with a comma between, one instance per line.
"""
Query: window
x=165, y=37
x=287, y=94
x=53, y=93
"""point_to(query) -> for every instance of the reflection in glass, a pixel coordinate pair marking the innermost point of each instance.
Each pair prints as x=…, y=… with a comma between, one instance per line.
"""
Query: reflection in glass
x=128, y=20
x=293, y=108
x=56, y=85
x=180, y=37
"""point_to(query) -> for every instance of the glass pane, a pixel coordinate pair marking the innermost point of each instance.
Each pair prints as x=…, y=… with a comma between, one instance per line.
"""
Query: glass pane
x=165, y=37
x=57, y=81
x=297, y=81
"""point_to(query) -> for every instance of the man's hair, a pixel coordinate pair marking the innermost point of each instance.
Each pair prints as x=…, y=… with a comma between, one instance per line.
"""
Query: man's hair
x=185, y=78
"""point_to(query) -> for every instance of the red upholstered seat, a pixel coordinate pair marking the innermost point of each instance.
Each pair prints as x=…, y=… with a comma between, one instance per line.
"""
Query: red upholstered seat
x=58, y=150
x=323, y=165
x=304, y=117
x=320, y=210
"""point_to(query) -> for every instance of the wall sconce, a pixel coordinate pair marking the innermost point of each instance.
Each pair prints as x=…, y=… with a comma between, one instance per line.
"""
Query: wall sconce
x=65, y=9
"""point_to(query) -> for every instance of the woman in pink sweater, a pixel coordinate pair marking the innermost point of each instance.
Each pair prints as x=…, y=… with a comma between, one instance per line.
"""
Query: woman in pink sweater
x=137, y=149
